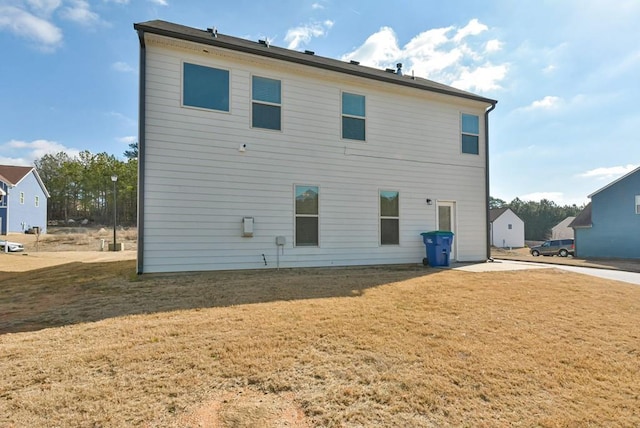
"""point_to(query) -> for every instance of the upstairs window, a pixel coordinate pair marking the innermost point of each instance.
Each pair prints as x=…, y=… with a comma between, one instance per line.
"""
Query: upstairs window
x=205, y=87
x=637, y=204
x=389, y=218
x=37, y=201
x=470, y=134
x=21, y=198
x=353, y=116
x=306, y=216
x=266, y=108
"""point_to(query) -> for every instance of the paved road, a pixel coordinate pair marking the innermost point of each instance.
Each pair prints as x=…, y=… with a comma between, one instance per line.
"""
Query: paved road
x=617, y=275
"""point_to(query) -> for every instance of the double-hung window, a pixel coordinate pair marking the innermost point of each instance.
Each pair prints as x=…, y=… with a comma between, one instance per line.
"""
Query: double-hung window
x=21, y=198
x=353, y=117
x=637, y=204
x=306, y=216
x=389, y=217
x=37, y=201
x=205, y=87
x=267, y=103
x=470, y=134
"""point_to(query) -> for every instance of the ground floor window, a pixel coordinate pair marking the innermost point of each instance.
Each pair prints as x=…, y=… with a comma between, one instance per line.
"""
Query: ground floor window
x=389, y=217
x=307, y=216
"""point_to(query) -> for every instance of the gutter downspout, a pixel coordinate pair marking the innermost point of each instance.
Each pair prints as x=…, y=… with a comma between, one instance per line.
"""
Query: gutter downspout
x=486, y=186
x=141, y=149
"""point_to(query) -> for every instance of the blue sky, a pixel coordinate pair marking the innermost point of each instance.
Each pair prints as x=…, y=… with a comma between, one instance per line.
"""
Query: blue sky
x=566, y=73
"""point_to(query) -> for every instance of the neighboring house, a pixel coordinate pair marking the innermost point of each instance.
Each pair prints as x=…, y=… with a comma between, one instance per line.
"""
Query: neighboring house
x=562, y=229
x=254, y=156
x=609, y=226
x=506, y=228
x=23, y=202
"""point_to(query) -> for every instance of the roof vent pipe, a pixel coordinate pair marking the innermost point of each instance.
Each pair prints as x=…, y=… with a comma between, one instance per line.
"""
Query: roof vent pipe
x=399, y=71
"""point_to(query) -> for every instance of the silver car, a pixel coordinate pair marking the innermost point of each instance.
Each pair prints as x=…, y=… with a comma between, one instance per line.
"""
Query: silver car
x=12, y=246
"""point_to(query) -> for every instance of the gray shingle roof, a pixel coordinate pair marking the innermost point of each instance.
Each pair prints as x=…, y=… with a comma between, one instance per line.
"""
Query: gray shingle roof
x=222, y=41
x=583, y=219
x=494, y=213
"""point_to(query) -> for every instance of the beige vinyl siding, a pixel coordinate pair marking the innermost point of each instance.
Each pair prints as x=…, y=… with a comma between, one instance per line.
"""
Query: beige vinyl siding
x=199, y=186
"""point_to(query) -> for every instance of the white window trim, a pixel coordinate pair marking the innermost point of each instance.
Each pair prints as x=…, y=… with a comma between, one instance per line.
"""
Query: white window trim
x=37, y=201
x=638, y=204
x=183, y=105
x=295, y=216
x=381, y=217
x=21, y=198
x=267, y=103
x=366, y=131
x=462, y=113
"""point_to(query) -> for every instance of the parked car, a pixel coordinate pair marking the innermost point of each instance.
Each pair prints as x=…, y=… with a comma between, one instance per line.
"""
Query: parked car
x=13, y=246
x=560, y=247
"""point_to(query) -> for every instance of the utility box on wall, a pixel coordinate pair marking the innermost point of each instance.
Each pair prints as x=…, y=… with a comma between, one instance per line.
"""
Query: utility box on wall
x=247, y=227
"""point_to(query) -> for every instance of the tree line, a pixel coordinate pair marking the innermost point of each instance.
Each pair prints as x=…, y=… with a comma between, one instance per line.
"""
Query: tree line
x=81, y=187
x=538, y=217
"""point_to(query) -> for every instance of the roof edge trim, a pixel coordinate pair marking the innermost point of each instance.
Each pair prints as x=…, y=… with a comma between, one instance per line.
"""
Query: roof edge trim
x=307, y=60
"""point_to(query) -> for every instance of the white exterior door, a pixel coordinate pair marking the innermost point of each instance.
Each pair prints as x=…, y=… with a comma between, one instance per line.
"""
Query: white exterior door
x=447, y=221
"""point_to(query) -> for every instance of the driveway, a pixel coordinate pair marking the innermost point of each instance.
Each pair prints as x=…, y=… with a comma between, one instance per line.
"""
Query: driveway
x=503, y=265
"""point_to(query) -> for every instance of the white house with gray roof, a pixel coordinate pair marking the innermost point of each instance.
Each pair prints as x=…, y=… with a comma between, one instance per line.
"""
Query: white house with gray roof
x=506, y=228
x=253, y=156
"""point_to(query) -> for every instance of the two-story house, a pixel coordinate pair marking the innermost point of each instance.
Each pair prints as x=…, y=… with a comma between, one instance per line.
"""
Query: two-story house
x=609, y=226
x=254, y=156
x=23, y=200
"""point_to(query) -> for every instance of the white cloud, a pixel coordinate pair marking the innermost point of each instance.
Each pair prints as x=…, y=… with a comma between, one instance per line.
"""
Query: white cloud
x=493, y=46
x=379, y=50
x=160, y=2
x=547, y=103
x=454, y=56
x=484, y=78
x=316, y=6
x=128, y=140
x=122, y=67
x=23, y=24
x=302, y=35
x=79, y=11
x=117, y=1
x=608, y=173
x=473, y=28
x=24, y=152
x=44, y=6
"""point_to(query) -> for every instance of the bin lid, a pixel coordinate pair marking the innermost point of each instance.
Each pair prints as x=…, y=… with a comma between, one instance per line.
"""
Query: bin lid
x=437, y=233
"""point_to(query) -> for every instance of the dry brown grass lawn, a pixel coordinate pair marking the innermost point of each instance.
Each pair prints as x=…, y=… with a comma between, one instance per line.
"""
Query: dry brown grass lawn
x=344, y=347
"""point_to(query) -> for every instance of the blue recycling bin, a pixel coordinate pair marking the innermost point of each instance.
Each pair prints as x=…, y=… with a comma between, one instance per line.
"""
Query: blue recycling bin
x=438, y=243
